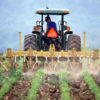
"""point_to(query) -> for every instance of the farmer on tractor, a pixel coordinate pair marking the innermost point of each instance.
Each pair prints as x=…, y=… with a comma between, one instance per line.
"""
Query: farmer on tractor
x=51, y=31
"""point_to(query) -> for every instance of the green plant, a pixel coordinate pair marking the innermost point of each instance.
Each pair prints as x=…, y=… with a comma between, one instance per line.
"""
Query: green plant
x=20, y=97
x=92, y=85
x=4, y=54
x=35, y=84
x=2, y=78
x=65, y=91
x=44, y=98
x=11, y=80
x=53, y=79
x=62, y=63
x=4, y=63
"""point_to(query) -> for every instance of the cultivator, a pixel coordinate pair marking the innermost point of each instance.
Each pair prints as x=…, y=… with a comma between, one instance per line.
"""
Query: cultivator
x=31, y=57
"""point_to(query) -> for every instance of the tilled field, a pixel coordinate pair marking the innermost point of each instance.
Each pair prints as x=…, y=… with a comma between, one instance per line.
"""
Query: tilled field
x=49, y=89
x=18, y=91
x=46, y=86
x=80, y=91
x=0, y=85
x=96, y=79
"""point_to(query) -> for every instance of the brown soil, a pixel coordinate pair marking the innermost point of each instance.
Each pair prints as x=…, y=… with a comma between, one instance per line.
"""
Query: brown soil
x=18, y=91
x=2, y=59
x=0, y=85
x=49, y=89
x=96, y=79
x=1, y=53
x=80, y=91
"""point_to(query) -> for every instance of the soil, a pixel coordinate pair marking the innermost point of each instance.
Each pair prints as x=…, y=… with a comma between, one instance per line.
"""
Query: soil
x=79, y=91
x=2, y=59
x=0, y=85
x=49, y=89
x=1, y=53
x=18, y=91
x=96, y=79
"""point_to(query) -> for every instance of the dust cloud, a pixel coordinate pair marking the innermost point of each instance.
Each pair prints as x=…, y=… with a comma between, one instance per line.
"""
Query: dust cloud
x=74, y=70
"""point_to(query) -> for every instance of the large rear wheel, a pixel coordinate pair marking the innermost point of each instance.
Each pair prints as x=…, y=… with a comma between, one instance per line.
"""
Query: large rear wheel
x=29, y=41
x=74, y=41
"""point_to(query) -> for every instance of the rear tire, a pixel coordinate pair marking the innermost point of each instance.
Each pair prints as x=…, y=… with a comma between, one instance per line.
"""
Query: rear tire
x=29, y=41
x=74, y=41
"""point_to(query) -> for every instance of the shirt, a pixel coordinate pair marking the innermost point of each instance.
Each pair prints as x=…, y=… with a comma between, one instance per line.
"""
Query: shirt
x=51, y=25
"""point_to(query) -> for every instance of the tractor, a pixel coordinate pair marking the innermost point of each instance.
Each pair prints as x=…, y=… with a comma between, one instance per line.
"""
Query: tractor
x=66, y=47
x=66, y=40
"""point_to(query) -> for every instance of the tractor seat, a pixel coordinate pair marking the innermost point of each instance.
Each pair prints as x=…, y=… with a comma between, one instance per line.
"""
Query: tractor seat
x=51, y=40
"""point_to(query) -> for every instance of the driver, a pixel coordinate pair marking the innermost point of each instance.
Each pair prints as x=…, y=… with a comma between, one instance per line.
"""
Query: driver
x=51, y=31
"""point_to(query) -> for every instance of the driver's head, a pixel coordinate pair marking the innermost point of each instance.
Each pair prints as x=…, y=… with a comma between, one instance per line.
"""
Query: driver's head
x=47, y=19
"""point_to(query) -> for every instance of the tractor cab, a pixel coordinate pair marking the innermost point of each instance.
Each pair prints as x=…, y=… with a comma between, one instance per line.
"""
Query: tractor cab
x=63, y=29
x=62, y=23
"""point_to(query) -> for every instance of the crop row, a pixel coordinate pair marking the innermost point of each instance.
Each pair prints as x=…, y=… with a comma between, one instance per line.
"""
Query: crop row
x=2, y=78
x=65, y=91
x=11, y=80
x=35, y=85
x=92, y=85
x=4, y=63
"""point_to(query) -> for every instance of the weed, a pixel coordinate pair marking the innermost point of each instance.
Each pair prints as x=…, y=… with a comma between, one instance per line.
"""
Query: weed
x=20, y=97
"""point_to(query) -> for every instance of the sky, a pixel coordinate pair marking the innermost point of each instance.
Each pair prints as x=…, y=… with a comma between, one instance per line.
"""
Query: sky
x=20, y=16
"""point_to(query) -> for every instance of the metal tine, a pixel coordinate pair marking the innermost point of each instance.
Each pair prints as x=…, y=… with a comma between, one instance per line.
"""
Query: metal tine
x=80, y=58
x=90, y=60
x=35, y=62
x=58, y=61
x=67, y=58
x=99, y=57
x=15, y=58
x=55, y=66
x=58, y=58
x=46, y=59
x=71, y=66
x=34, y=65
x=24, y=58
x=36, y=58
x=45, y=67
